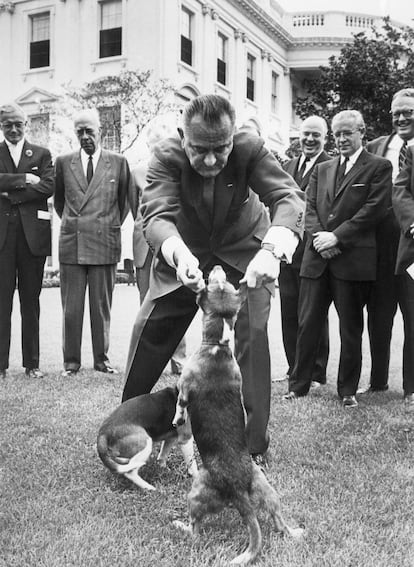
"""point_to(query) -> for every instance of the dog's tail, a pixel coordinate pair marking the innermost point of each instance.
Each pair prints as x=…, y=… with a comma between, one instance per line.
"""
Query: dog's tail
x=247, y=512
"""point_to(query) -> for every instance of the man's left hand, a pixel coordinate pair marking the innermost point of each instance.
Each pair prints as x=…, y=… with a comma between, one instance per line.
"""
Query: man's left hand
x=324, y=240
x=263, y=268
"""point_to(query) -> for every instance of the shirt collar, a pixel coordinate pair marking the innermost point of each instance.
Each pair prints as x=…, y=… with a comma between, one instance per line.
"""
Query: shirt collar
x=352, y=159
x=15, y=148
x=95, y=156
x=310, y=161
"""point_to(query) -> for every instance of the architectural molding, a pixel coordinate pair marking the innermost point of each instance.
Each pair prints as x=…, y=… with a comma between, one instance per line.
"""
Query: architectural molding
x=7, y=7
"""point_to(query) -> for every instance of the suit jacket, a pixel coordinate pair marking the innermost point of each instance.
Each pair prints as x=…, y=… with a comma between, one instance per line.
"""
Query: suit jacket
x=351, y=214
x=173, y=206
x=140, y=248
x=30, y=199
x=403, y=202
x=92, y=215
x=292, y=168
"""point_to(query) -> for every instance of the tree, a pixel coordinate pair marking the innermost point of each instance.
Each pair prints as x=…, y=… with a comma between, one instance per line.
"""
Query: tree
x=364, y=77
x=130, y=99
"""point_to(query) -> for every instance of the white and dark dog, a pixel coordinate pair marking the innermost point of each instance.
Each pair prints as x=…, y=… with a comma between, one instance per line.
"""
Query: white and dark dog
x=126, y=437
x=210, y=391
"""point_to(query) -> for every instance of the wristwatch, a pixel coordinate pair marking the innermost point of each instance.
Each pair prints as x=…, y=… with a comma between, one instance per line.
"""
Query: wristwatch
x=270, y=247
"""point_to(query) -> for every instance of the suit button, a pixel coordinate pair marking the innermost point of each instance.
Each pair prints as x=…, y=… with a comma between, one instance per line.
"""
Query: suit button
x=330, y=216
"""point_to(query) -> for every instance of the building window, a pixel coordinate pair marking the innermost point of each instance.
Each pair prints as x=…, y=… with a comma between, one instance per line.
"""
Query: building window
x=222, y=59
x=273, y=95
x=110, y=35
x=40, y=40
x=186, y=36
x=251, y=63
x=110, y=118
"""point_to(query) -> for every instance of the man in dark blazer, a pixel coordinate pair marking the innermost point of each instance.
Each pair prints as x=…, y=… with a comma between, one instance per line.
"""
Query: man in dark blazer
x=312, y=138
x=92, y=186
x=198, y=211
x=345, y=200
x=26, y=183
x=382, y=303
x=403, y=203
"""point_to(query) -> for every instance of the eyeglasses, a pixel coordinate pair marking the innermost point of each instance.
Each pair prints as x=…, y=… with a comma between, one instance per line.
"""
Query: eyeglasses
x=9, y=125
x=406, y=113
x=345, y=133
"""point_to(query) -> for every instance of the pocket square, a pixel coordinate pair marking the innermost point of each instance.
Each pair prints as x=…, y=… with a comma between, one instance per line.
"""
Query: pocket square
x=35, y=168
x=358, y=185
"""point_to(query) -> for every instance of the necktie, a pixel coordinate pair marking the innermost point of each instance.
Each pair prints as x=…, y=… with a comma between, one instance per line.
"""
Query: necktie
x=341, y=174
x=402, y=156
x=208, y=195
x=299, y=175
x=89, y=170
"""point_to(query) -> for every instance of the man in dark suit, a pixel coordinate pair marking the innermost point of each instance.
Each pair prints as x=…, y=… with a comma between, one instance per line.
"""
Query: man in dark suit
x=345, y=200
x=382, y=303
x=403, y=203
x=198, y=211
x=312, y=138
x=91, y=198
x=26, y=182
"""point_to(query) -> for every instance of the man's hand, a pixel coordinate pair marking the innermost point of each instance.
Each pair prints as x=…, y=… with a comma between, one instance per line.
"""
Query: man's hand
x=263, y=268
x=188, y=272
x=324, y=240
x=331, y=253
x=32, y=179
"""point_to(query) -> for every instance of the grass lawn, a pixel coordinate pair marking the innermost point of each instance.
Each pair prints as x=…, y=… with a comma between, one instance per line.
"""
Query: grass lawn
x=346, y=475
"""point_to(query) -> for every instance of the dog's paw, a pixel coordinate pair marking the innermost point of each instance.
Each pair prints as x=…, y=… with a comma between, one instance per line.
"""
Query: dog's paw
x=182, y=527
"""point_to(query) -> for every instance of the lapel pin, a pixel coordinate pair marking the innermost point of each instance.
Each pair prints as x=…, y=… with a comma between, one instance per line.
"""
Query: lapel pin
x=229, y=185
x=28, y=153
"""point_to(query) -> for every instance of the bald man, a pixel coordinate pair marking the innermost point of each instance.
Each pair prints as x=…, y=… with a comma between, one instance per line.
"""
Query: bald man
x=91, y=199
x=312, y=138
x=26, y=182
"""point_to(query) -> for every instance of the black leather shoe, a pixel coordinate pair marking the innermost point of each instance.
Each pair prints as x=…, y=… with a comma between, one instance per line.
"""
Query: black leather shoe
x=34, y=373
x=105, y=367
x=290, y=396
x=3, y=373
x=349, y=402
x=261, y=460
x=409, y=399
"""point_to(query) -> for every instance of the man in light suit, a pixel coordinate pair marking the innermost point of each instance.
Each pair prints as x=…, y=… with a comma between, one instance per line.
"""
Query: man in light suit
x=312, y=138
x=345, y=200
x=91, y=198
x=198, y=211
x=26, y=182
x=382, y=303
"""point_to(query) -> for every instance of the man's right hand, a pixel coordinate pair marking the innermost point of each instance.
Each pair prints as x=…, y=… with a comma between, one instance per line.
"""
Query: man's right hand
x=32, y=179
x=188, y=272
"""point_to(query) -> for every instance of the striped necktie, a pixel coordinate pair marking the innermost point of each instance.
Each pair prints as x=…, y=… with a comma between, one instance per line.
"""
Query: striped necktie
x=341, y=174
x=299, y=175
x=402, y=156
x=89, y=170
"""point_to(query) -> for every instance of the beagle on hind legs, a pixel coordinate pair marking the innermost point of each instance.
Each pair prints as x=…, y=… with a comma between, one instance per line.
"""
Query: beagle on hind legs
x=210, y=391
x=126, y=437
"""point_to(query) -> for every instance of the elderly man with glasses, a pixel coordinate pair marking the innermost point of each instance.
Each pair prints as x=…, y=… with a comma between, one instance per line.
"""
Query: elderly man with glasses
x=346, y=198
x=26, y=183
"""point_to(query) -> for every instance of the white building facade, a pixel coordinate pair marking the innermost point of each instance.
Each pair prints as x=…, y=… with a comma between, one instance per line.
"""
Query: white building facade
x=251, y=52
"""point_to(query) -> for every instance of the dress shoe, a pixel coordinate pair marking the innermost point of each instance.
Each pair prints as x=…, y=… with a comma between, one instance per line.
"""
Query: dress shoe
x=349, y=402
x=105, y=367
x=261, y=460
x=409, y=399
x=34, y=373
x=291, y=396
x=3, y=373
x=371, y=389
x=69, y=372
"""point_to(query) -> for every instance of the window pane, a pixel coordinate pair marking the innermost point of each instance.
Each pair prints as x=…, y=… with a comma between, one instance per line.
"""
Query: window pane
x=40, y=27
x=250, y=66
x=111, y=14
x=110, y=42
x=222, y=47
x=39, y=54
x=186, y=50
x=221, y=71
x=186, y=23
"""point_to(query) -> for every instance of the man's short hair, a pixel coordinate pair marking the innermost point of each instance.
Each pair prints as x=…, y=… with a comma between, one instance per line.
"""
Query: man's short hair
x=319, y=120
x=350, y=114
x=210, y=107
x=11, y=107
x=404, y=92
x=87, y=114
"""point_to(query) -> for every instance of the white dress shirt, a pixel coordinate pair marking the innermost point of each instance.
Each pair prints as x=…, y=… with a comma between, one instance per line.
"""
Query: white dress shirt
x=15, y=151
x=85, y=158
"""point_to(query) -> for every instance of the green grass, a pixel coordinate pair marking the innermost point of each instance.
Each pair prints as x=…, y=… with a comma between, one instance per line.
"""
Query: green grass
x=346, y=475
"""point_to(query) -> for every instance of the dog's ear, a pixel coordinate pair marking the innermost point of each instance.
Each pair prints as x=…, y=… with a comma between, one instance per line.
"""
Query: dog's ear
x=242, y=292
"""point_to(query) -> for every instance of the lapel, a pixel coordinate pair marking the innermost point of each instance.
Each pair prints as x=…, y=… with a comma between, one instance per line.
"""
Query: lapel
x=331, y=171
x=383, y=145
x=77, y=170
x=360, y=162
x=24, y=159
x=101, y=168
x=5, y=158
